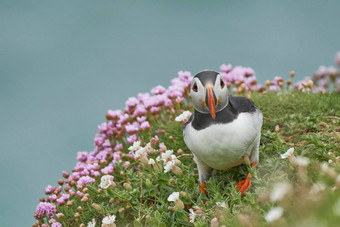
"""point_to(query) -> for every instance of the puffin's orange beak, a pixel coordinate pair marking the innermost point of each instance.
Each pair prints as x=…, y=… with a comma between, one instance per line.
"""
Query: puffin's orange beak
x=211, y=102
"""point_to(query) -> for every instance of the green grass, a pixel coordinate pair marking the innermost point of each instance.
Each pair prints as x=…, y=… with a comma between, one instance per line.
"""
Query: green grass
x=308, y=122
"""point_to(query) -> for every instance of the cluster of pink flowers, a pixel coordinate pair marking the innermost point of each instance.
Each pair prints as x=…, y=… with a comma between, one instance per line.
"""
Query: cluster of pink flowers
x=119, y=131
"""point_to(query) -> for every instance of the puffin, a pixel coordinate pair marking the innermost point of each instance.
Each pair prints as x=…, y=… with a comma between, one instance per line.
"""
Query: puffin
x=224, y=131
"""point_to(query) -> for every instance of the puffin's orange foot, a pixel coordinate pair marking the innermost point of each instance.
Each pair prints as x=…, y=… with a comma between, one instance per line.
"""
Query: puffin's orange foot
x=202, y=187
x=244, y=185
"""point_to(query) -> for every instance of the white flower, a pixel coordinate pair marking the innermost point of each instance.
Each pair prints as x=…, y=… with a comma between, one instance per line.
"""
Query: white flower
x=317, y=187
x=151, y=161
x=140, y=152
x=221, y=204
x=173, y=197
x=135, y=146
x=168, y=166
x=192, y=216
x=148, y=147
x=302, y=161
x=288, y=153
x=279, y=191
x=274, y=214
x=105, y=181
x=167, y=154
x=92, y=223
x=184, y=116
x=109, y=220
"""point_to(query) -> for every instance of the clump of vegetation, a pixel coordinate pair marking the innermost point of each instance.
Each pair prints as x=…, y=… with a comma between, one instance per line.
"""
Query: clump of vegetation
x=140, y=172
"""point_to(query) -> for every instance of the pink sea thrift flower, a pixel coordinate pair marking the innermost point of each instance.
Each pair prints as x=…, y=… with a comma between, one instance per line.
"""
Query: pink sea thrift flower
x=131, y=139
x=145, y=125
x=226, y=68
x=158, y=90
x=337, y=58
x=56, y=224
x=49, y=189
x=85, y=180
x=141, y=119
x=82, y=156
x=130, y=128
x=131, y=102
x=113, y=115
x=45, y=208
x=118, y=147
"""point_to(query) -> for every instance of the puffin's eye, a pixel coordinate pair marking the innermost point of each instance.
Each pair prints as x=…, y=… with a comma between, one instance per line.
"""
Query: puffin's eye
x=194, y=87
x=222, y=84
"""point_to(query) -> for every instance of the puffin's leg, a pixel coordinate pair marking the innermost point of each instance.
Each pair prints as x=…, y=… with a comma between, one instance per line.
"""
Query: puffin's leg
x=204, y=173
x=244, y=185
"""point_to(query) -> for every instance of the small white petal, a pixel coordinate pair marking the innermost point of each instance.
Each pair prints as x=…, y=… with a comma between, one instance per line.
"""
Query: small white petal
x=135, y=146
x=279, y=191
x=168, y=166
x=151, y=161
x=173, y=197
x=274, y=214
x=184, y=116
x=192, y=216
x=289, y=152
x=109, y=220
x=221, y=204
x=302, y=161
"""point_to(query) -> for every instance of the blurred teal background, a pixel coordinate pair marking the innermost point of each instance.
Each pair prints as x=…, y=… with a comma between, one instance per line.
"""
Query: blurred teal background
x=63, y=64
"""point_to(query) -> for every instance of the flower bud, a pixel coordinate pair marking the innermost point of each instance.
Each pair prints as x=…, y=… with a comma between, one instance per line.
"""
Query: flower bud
x=170, y=208
x=180, y=151
x=183, y=194
x=214, y=222
x=179, y=204
x=176, y=170
x=69, y=203
x=60, y=182
x=96, y=206
x=291, y=74
x=121, y=210
x=148, y=183
x=77, y=215
x=127, y=186
x=79, y=208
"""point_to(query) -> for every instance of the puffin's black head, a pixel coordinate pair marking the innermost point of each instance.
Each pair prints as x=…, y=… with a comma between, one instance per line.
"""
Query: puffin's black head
x=209, y=92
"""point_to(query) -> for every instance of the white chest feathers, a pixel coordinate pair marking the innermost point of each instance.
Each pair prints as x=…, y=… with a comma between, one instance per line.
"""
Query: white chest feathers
x=222, y=146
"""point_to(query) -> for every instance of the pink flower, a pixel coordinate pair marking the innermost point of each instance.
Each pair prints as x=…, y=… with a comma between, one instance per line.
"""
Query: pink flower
x=131, y=139
x=158, y=90
x=131, y=102
x=82, y=156
x=226, y=68
x=43, y=209
x=85, y=180
x=52, y=198
x=108, y=169
x=139, y=111
x=141, y=119
x=154, y=109
x=118, y=147
x=145, y=125
x=102, y=128
x=49, y=189
x=56, y=224
x=113, y=115
x=131, y=128
x=337, y=58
